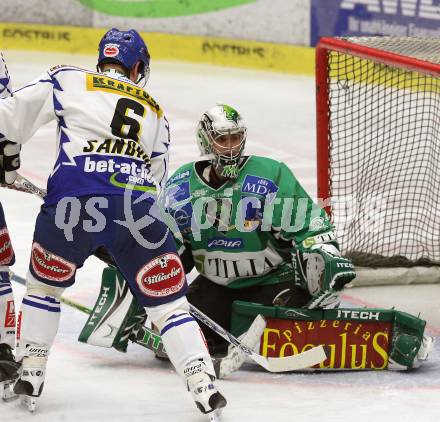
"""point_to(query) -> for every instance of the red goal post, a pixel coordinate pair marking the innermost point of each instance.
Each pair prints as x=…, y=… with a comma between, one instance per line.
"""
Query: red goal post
x=378, y=147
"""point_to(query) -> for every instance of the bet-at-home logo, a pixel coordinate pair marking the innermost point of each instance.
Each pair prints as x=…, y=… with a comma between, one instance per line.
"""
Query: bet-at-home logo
x=414, y=8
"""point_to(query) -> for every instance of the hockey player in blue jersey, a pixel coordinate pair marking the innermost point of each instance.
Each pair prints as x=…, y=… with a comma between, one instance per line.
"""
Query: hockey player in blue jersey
x=7, y=309
x=112, y=160
x=9, y=163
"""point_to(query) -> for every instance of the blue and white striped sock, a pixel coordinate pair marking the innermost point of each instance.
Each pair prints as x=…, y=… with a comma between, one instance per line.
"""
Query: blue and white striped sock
x=184, y=342
x=38, y=322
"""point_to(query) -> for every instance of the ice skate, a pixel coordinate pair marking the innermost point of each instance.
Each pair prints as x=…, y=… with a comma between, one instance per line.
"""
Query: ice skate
x=30, y=382
x=425, y=350
x=205, y=394
x=8, y=372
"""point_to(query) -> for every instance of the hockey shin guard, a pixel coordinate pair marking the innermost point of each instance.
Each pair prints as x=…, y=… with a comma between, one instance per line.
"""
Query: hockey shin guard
x=181, y=335
x=38, y=318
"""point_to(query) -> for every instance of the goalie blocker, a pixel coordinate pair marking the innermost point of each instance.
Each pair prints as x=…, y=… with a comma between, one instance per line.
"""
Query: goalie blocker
x=357, y=339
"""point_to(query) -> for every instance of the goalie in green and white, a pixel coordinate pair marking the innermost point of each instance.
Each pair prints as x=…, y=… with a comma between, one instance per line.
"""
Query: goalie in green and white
x=250, y=229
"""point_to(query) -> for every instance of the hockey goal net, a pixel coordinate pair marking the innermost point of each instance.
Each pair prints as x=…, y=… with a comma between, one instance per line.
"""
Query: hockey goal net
x=378, y=120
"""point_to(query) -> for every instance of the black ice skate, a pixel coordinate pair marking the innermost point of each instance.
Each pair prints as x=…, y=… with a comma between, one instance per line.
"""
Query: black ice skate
x=30, y=382
x=205, y=394
x=8, y=372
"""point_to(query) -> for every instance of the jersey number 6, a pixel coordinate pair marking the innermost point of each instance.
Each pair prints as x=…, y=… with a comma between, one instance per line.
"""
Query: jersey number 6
x=124, y=126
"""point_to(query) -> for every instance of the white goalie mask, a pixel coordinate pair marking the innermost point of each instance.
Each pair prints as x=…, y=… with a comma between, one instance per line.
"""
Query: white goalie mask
x=221, y=136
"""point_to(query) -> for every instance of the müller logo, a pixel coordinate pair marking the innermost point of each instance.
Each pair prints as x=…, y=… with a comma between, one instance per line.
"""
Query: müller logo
x=162, y=276
x=411, y=8
x=50, y=266
x=6, y=252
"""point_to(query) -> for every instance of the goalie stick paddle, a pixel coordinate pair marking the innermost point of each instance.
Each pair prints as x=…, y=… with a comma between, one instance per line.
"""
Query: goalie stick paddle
x=235, y=358
x=285, y=364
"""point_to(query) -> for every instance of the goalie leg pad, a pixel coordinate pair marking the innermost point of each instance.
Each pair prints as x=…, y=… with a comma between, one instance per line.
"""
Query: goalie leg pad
x=409, y=346
x=115, y=314
x=389, y=339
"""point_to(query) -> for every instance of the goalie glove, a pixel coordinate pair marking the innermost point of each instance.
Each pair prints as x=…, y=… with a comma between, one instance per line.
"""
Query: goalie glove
x=325, y=273
x=9, y=160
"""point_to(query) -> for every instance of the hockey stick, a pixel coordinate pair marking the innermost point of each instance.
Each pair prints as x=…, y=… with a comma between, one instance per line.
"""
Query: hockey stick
x=71, y=303
x=233, y=361
x=290, y=363
x=145, y=337
x=24, y=185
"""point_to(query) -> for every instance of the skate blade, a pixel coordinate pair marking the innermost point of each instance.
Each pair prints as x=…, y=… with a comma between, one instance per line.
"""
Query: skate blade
x=215, y=415
x=6, y=391
x=30, y=403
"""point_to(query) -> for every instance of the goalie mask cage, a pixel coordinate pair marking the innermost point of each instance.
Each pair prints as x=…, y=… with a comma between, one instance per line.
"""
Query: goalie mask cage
x=378, y=147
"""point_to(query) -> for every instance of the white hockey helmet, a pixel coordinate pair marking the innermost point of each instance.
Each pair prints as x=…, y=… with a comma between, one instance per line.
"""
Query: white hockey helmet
x=215, y=123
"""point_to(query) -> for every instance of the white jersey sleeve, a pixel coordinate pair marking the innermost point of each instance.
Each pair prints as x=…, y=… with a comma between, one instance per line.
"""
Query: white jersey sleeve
x=159, y=155
x=5, y=80
x=111, y=134
x=26, y=110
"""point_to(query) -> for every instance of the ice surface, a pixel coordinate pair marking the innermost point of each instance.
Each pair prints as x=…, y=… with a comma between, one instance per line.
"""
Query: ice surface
x=86, y=383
